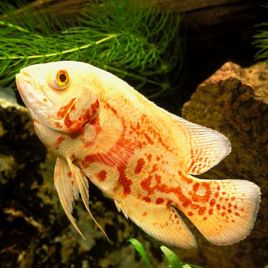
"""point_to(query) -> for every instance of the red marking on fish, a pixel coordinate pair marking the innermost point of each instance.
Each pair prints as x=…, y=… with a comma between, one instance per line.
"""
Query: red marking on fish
x=77, y=125
x=194, y=206
x=64, y=109
x=201, y=210
x=107, y=105
x=146, y=199
x=184, y=178
x=212, y=202
x=159, y=200
x=146, y=184
x=58, y=125
x=58, y=142
x=197, y=197
x=102, y=175
x=139, y=166
x=149, y=140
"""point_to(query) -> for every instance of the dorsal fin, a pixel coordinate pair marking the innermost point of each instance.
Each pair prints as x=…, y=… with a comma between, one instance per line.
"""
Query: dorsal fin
x=205, y=147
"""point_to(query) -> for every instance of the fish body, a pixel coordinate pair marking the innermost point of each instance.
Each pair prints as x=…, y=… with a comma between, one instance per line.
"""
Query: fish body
x=138, y=154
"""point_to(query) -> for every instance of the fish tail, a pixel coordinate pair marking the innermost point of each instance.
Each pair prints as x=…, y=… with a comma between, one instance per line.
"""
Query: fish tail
x=224, y=211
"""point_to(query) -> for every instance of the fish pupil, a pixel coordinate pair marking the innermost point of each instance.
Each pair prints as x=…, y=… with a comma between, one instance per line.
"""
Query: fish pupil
x=62, y=77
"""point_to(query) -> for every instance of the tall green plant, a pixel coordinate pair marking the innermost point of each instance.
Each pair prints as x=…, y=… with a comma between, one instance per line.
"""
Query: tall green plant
x=261, y=41
x=131, y=40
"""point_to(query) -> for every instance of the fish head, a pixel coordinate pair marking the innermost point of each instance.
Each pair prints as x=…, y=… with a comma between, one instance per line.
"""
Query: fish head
x=59, y=95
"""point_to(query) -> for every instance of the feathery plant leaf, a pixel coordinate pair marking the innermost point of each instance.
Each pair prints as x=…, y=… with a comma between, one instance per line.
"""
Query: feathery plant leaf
x=128, y=38
x=261, y=41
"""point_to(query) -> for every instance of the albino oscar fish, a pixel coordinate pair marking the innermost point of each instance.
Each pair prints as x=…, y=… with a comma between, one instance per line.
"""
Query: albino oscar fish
x=138, y=154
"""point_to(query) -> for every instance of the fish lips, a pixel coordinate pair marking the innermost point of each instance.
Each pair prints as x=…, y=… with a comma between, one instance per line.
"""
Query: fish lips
x=28, y=91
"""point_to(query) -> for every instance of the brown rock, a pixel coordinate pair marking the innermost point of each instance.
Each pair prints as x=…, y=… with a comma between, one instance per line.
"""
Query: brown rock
x=234, y=101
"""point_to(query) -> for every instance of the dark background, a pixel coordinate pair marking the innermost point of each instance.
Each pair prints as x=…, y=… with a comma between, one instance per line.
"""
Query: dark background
x=212, y=33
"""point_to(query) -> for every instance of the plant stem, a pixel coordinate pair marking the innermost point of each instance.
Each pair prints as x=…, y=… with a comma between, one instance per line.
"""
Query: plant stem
x=14, y=26
x=68, y=51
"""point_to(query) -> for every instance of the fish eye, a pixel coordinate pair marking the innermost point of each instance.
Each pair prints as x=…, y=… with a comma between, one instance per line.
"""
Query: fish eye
x=62, y=80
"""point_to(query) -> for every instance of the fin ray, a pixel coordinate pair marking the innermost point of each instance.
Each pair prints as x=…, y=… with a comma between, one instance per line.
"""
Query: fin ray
x=159, y=221
x=205, y=147
x=82, y=183
x=67, y=193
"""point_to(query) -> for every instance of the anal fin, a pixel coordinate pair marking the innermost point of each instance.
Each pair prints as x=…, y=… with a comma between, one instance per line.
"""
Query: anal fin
x=160, y=221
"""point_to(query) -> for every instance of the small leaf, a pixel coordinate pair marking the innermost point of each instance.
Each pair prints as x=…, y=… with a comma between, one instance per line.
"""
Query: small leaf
x=140, y=249
x=173, y=259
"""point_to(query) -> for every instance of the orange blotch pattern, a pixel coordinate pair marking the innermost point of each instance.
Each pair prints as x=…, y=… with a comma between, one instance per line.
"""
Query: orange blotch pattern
x=139, y=166
x=101, y=175
x=58, y=142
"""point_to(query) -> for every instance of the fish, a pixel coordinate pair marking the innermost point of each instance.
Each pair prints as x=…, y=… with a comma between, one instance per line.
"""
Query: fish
x=143, y=157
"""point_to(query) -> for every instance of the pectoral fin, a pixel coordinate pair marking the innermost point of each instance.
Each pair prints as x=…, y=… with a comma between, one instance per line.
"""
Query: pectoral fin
x=67, y=189
x=159, y=221
x=69, y=181
x=82, y=184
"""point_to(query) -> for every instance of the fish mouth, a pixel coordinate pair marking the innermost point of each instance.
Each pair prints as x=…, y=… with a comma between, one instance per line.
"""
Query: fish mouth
x=25, y=87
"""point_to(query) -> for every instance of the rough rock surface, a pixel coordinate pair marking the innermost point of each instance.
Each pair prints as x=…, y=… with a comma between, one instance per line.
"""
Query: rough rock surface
x=234, y=101
x=34, y=231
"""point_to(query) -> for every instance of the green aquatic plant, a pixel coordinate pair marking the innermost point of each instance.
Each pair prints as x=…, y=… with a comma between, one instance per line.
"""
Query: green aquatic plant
x=127, y=38
x=172, y=259
x=261, y=41
x=141, y=250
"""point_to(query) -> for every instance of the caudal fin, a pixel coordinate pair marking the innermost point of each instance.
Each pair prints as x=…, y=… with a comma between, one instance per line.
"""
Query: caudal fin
x=224, y=211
